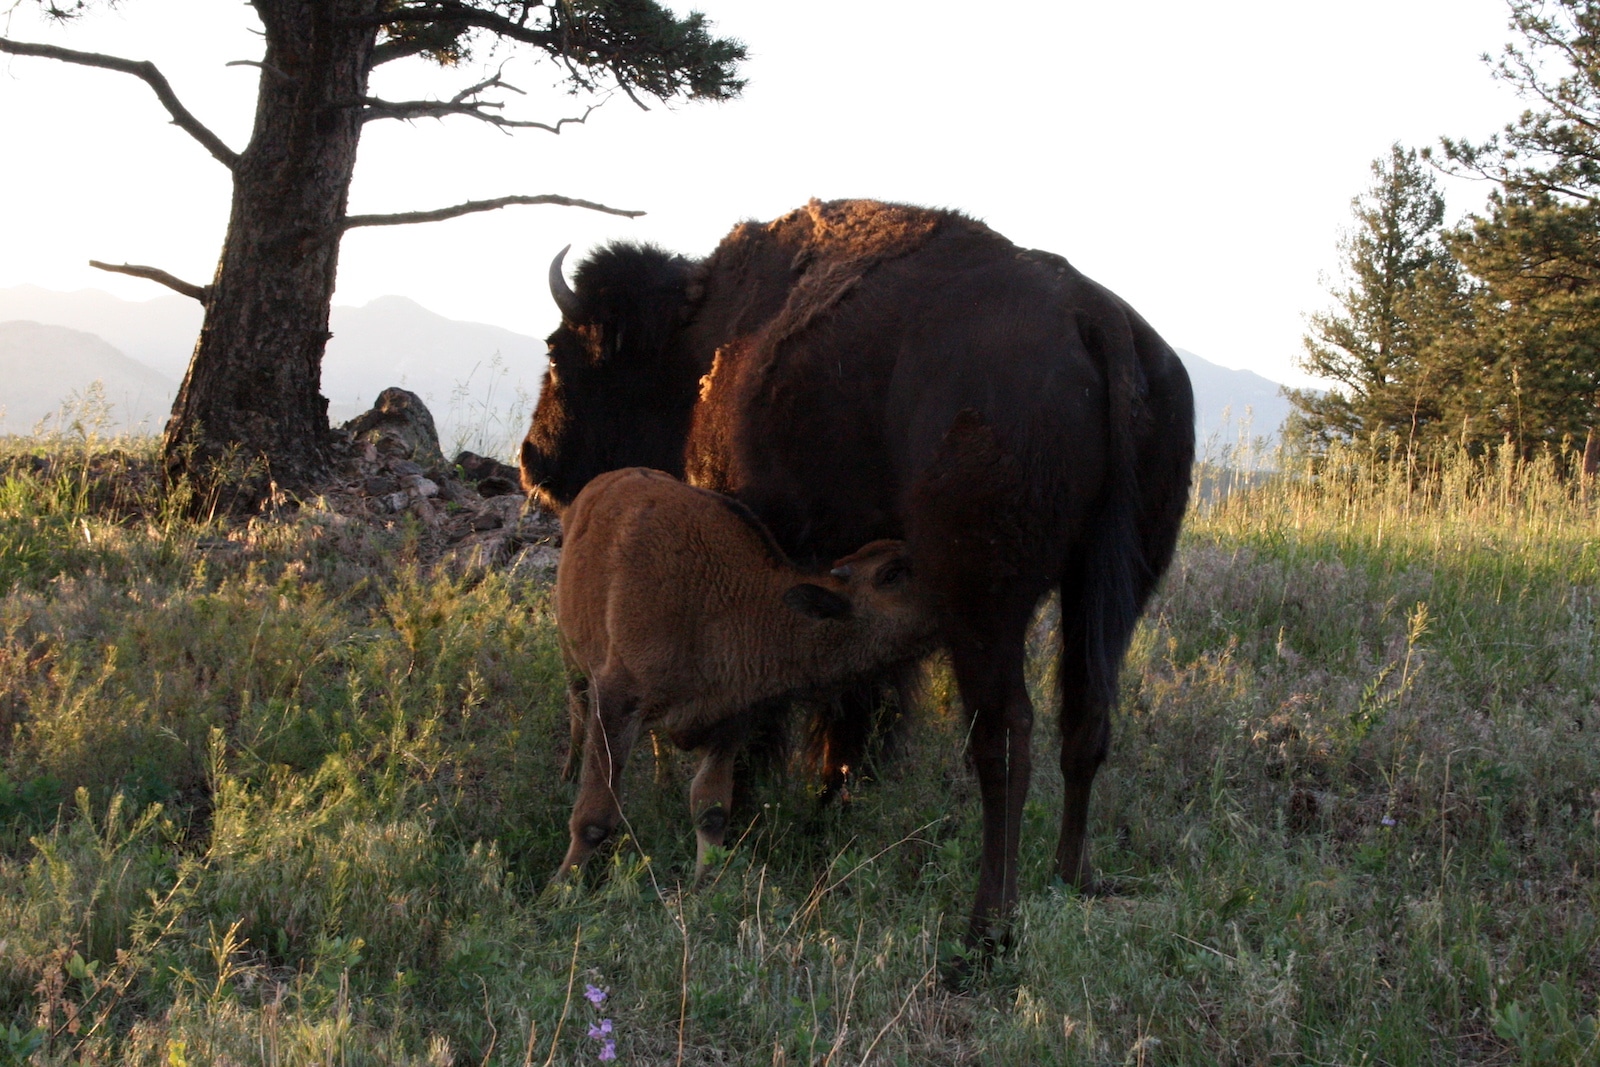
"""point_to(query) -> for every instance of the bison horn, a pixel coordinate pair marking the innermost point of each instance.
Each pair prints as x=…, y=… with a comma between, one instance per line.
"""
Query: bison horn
x=840, y=572
x=560, y=291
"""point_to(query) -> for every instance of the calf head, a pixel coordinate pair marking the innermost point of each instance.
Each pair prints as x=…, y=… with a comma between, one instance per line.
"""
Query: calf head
x=876, y=591
x=616, y=393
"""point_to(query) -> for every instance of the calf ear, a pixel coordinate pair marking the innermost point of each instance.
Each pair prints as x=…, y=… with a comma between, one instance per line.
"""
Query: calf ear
x=815, y=602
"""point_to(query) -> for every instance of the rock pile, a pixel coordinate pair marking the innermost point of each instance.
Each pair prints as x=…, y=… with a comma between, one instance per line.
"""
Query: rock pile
x=472, y=511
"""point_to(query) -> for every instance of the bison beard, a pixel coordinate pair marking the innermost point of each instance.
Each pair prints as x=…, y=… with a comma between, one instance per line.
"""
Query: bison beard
x=856, y=371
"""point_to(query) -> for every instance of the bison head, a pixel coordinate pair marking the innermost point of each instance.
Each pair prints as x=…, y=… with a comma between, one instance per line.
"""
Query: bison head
x=619, y=389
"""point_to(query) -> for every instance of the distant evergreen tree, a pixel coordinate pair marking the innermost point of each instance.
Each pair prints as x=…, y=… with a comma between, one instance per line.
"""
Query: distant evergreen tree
x=1532, y=361
x=1534, y=254
x=1384, y=343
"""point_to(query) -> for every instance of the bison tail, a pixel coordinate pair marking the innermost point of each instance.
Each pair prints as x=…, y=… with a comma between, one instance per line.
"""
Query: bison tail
x=1151, y=446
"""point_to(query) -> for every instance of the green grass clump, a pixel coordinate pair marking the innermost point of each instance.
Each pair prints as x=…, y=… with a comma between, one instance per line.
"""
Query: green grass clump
x=285, y=791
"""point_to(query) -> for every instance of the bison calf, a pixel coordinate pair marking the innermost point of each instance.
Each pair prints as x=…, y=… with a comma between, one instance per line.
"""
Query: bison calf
x=679, y=612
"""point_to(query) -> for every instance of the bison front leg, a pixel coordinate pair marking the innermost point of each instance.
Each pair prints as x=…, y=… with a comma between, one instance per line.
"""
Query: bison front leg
x=612, y=728
x=710, y=798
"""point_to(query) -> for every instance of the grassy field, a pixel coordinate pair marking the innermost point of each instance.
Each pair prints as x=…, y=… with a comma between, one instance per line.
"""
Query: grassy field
x=285, y=792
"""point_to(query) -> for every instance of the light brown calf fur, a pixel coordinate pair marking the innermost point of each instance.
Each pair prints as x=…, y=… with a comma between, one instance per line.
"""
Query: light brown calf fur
x=678, y=612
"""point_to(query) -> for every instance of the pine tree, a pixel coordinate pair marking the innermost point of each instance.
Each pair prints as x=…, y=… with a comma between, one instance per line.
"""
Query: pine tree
x=1381, y=343
x=1533, y=358
x=1534, y=254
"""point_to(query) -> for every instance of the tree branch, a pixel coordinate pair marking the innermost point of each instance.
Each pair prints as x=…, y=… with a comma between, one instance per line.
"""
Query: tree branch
x=463, y=103
x=268, y=67
x=201, y=293
x=454, y=12
x=472, y=206
x=397, y=48
x=143, y=69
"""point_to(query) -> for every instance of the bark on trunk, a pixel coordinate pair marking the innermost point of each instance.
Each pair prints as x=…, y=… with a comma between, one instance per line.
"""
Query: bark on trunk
x=252, y=393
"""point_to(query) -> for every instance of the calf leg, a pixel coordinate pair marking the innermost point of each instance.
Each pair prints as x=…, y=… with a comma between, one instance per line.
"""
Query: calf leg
x=613, y=726
x=578, y=722
x=710, y=798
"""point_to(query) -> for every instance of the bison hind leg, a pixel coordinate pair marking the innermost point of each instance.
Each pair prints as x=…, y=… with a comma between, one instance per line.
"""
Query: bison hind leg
x=1085, y=740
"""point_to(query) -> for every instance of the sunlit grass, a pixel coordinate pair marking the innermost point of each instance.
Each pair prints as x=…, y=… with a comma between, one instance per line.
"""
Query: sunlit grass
x=281, y=792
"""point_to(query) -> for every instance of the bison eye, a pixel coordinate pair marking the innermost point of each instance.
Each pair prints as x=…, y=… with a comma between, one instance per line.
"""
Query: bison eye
x=894, y=573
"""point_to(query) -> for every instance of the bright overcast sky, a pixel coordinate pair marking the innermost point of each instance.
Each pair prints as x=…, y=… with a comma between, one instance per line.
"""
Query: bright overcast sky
x=1199, y=159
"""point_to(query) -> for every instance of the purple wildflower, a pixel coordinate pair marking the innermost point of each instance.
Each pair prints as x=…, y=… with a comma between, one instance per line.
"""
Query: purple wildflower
x=594, y=995
x=609, y=1052
x=600, y=1029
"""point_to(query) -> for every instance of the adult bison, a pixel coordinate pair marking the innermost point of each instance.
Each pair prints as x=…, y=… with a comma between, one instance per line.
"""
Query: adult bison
x=857, y=370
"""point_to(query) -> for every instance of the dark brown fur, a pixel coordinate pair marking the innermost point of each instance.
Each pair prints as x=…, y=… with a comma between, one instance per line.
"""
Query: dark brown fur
x=856, y=371
x=678, y=612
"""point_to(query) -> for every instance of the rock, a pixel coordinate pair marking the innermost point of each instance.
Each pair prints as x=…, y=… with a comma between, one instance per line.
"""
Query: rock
x=476, y=468
x=454, y=492
x=392, y=446
x=537, y=524
x=423, y=509
x=487, y=551
x=389, y=470
x=399, y=425
x=507, y=509
x=535, y=561
x=419, y=485
x=498, y=486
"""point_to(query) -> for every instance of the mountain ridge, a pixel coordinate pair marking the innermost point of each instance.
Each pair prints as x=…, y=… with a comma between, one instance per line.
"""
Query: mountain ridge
x=479, y=380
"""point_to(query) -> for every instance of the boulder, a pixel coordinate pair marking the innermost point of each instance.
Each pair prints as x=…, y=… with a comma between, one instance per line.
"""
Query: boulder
x=491, y=477
x=399, y=426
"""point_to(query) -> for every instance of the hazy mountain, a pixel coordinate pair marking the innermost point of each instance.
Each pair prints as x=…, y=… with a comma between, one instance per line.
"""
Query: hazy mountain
x=479, y=381
x=159, y=333
x=396, y=341
x=1225, y=400
x=41, y=366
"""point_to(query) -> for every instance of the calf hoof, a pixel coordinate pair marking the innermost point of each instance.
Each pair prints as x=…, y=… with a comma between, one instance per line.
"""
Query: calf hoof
x=563, y=885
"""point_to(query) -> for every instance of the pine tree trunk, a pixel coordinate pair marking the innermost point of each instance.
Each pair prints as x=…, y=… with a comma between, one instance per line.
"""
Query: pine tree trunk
x=251, y=400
